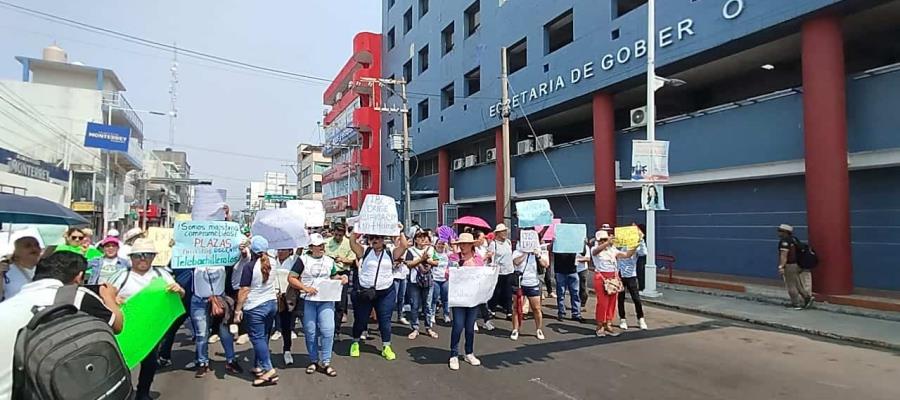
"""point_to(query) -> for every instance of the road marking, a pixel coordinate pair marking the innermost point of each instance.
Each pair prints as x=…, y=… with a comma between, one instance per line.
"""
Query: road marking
x=552, y=388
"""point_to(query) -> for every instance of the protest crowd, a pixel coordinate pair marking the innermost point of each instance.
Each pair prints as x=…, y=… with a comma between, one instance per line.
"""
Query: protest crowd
x=234, y=285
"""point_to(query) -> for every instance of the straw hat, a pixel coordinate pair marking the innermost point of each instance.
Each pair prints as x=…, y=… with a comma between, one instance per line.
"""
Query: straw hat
x=142, y=245
x=601, y=234
x=500, y=228
x=465, y=238
x=786, y=228
x=132, y=233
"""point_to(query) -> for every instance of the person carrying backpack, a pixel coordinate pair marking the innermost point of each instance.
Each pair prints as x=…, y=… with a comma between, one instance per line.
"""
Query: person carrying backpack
x=791, y=254
x=53, y=306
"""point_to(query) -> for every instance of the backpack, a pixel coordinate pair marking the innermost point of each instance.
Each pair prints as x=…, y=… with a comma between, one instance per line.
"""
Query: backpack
x=63, y=353
x=806, y=255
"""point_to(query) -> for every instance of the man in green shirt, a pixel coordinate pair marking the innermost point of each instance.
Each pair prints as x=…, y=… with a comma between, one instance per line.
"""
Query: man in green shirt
x=338, y=248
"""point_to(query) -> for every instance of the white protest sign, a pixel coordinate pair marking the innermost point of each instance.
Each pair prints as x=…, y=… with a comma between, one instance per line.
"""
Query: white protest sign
x=650, y=161
x=313, y=211
x=378, y=216
x=528, y=240
x=282, y=227
x=328, y=290
x=209, y=204
x=471, y=286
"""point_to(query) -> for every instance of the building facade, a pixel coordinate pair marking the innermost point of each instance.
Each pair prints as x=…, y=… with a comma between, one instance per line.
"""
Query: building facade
x=312, y=165
x=177, y=162
x=786, y=117
x=353, y=131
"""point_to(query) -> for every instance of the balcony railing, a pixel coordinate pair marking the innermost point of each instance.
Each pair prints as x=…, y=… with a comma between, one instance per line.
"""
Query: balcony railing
x=116, y=101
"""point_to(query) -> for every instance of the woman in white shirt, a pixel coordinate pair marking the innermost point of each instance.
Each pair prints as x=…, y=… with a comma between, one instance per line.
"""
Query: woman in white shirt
x=528, y=263
x=19, y=267
x=439, y=274
x=419, y=260
x=256, y=299
x=285, y=319
x=606, y=259
x=375, y=288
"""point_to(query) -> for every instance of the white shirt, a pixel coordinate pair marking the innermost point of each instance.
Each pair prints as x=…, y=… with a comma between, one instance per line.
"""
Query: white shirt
x=607, y=260
x=481, y=250
x=17, y=277
x=130, y=282
x=583, y=266
x=439, y=272
x=399, y=271
x=369, y=266
x=528, y=267
x=209, y=281
x=416, y=253
x=260, y=292
x=315, y=270
x=502, y=256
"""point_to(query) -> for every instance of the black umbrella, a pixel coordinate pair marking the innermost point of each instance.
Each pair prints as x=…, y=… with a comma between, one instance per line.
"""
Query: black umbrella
x=17, y=209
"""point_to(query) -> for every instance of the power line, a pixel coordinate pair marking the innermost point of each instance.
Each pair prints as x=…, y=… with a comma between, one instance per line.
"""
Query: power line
x=230, y=153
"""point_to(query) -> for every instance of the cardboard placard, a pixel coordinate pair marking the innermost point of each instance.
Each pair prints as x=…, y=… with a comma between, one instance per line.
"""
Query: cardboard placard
x=471, y=286
x=147, y=317
x=378, y=216
x=532, y=213
x=206, y=243
x=528, y=241
x=282, y=227
x=209, y=204
x=161, y=238
x=313, y=211
x=627, y=236
x=570, y=238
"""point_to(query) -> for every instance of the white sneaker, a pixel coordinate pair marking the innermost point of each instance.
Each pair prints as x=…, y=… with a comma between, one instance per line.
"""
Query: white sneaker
x=488, y=326
x=213, y=339
x=364, y=336
x=276, y=336
x=514, y=335
x=233, y=328
x=243, y=339
x=190, y=365
x=293, y=335
x=643, y=324
x=404, y=321
x=471, y=359
x=432, y=320
x=454, y=363
x=446, y=319
x=288, y=358
x=623, y=325
x=540, y=334
x=407, y=308
x=476, y=327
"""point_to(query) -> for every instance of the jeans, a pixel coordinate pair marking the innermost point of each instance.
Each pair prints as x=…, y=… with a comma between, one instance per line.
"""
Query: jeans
x=341, y=306
x=185, y=278
x=318, y=329
x=582, y=286
x=503, y=293
x=383, y=304
x=259, y=320
x=201, y=323
x=400, y=287
x=145, y=378
x=463, y=319
x=632, y=286
x=570, y=282
x=419, y=297
x=440, y=292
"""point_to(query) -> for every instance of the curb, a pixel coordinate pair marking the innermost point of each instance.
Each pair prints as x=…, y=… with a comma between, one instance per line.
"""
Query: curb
x=815, y=332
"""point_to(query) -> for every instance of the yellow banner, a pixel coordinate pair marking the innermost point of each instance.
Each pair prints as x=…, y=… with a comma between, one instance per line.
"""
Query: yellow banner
x=183, y=217
x=627, y=236
x=161, y=238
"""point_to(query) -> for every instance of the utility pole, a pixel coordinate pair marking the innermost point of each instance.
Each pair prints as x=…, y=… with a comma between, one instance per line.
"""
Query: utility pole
x=404, y=149
x=173, y=94
x=106, y=196
x=650, y=287
x=504, y=150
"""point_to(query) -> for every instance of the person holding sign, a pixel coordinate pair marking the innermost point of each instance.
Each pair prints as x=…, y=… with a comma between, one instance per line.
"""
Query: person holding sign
x=421, y=284
x=530, y=261
x=208, y=310
x=312, y=272
x=375, y=288
x=607, y=283
x=257, y=299
x=464, y=317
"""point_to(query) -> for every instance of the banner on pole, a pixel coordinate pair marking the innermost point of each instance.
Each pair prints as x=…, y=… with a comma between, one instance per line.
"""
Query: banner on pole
x=570, y=238
x=378, y=216
x=650, y=161
x=471, y=286
x=209, y=204
x=652, y=197
x=528, y=240
x=282, y=227
x=161, y=238
x=533, y=213
x=206, y=243
x=313, y=211
x=627, y=236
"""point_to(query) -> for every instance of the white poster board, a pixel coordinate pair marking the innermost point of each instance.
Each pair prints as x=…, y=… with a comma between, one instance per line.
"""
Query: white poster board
x=378, y=216
x=209, y=204
x=282, y=227
x=328, y=290
x=313, y=211
x=528, y=240
x=650, y=161
x=471, y=286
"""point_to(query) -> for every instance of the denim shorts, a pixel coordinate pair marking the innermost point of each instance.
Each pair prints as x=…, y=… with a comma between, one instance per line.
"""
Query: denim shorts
x=531, y=291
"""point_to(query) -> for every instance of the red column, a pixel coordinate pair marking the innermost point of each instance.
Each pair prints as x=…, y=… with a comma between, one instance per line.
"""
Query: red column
x=443, y=183
x=604, y=160
x=498, y=173
x=825, y=138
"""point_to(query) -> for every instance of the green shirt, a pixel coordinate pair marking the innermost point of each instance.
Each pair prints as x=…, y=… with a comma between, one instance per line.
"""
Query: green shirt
x=334, y=250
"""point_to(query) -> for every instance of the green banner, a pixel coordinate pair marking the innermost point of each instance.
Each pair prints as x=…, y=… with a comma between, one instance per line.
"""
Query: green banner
x=148, y=315
x=280, y=197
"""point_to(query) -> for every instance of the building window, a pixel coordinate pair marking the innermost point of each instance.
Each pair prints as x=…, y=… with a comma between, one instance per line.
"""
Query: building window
x=318, y=187
x=447, y=39
x=391, y=39
x=407, y=71
x=423, y=110
x=427, y=167
x=517, y=55
x=622, y=7
x=559, y=32
x=390, y=172
x=307, y=190
x=447, y=97
x=473, y=81
x=407, y=21
x=389, y=129
x=473, y=18
x=306, y=171
x=423, y=59
x=423, y=8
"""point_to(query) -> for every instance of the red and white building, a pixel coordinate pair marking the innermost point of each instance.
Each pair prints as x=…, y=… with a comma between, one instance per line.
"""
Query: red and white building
x=352, y=130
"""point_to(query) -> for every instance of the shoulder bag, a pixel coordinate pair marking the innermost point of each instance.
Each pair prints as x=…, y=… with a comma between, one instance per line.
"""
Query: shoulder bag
x=369, y=294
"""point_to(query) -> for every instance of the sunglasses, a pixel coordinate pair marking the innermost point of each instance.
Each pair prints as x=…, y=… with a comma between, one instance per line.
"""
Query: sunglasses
x=143, y=256
x=76, y=237
x=603, y=240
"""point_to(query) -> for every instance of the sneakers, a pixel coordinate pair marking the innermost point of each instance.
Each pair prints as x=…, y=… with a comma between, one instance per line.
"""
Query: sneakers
x=213, y=339
x=404, y=321
x=560, y=317
x=446, y=319
x=454, y=363
x=540, y=334
x=164, y=362
x=412, y=335
x=364, y=336
x=514, y=335
x=471, y=359
x=552, y=295
x=293, y=335
x=276, y=336
x=623, y=325
x=808, y=303
x=476, y=327
x=579, y=319
x=234, y=368
x=488, y=326
x=233, y=328
x=432, y=320
x=388, y=353
x=190, y=365
x=288, y=358
x=643, y=324
x=202, y=370
x=354, y=349
x=243, y=339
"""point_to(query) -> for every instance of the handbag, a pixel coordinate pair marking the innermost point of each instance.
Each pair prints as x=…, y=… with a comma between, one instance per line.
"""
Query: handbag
x=613, y=285
x=369, y=294
x=216, y=304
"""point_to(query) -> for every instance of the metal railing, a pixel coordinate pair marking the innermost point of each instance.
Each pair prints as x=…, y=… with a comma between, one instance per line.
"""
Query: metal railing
x=117, y=101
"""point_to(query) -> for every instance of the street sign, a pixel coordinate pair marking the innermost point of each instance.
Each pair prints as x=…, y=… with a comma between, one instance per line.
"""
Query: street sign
x=280, y=197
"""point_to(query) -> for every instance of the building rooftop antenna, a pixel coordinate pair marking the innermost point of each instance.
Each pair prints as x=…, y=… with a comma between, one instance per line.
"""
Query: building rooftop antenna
x=173, y=94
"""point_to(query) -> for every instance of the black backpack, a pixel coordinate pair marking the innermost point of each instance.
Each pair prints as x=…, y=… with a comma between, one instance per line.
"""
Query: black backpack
x=806, y=256
x=64, y=353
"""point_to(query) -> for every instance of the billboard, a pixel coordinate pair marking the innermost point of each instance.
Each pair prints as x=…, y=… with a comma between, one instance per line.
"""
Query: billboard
x=107, y=137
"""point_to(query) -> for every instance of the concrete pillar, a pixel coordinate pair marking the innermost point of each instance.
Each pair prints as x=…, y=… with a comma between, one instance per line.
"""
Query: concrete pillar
x=498, y=173
x=443, y=184
x=604, y=159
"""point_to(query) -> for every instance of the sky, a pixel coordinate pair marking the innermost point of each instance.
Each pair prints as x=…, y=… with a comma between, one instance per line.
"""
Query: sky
x=219, y=108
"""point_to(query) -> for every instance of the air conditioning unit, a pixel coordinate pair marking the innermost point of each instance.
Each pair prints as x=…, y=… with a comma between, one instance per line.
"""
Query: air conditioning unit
x=544, y=142
x=470, y=160
x=491, y=154
x=459, y=164
x=524, y=147
x=639, y=117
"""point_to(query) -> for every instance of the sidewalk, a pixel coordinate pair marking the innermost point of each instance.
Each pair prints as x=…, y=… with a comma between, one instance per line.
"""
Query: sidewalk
x=864, y=330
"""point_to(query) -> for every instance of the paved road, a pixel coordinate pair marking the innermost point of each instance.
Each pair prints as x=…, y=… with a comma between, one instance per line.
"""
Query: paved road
x=682, y=357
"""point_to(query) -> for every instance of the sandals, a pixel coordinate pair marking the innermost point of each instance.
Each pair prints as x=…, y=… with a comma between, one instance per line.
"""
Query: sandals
x=432, y=333
x=330, y=371
x=312, y=368
x=257, y=372
x=262, y=382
